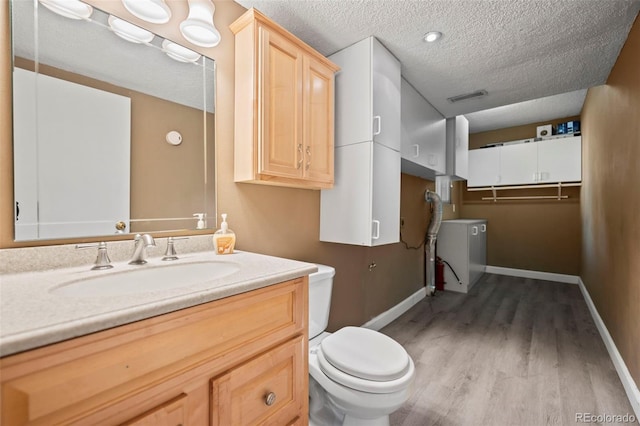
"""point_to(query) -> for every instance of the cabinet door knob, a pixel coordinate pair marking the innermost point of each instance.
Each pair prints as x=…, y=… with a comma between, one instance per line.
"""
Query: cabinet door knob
x=270, y=399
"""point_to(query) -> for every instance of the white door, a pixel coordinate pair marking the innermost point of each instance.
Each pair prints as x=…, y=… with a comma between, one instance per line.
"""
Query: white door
x=560, y=160
x=484, y=167
x=94, y=160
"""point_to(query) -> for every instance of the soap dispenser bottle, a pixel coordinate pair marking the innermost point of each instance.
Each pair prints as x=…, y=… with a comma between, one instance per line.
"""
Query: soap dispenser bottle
x=224, y=239
x=200, y=224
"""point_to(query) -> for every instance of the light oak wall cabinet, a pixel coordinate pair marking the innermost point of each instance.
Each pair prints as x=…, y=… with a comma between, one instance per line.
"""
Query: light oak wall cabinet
x=284, y=107
x=235, y=361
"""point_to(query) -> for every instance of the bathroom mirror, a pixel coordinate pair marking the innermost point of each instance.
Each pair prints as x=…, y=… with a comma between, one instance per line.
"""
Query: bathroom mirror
x=110, y=136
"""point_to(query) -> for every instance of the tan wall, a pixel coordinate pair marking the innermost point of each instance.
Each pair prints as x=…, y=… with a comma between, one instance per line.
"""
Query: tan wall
x=533, y=235
x=611, y=201
x=282, y=221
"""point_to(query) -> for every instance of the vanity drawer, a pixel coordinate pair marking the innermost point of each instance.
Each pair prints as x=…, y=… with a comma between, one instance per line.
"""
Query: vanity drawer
x=269, y=389
x=102, y=374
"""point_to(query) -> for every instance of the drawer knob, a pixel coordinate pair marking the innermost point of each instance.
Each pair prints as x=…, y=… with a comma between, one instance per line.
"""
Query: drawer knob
x=270, y=399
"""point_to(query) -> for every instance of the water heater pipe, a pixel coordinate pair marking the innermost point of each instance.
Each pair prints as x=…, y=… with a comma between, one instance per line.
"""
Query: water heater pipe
x=430, y=243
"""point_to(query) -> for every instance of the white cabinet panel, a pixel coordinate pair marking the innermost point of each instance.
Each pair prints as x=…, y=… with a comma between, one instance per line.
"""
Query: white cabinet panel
x=458, y=147
x=518, y=164
x=423, y=136
x=484, y=167
x=560, y=160
x=385, y=196
x=367, y=95
x=363, y=207
x=386, y=96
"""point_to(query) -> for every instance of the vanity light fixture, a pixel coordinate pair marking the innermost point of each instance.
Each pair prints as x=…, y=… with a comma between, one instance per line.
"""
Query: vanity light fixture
x=128, y=31
x=179, y=53
x=432, y=36
x=198, y=28
x=74, y=9
x=154, y=11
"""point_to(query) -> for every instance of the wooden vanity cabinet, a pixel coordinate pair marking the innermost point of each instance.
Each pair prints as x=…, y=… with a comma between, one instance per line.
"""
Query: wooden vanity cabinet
x=284, y=107
x=235, y=361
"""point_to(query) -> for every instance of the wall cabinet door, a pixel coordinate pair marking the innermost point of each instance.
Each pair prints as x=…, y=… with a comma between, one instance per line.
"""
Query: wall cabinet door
x=363, y=208
x=284, y=107
x=518, y=164
x=367, y=95
x=386, y=96
x=560, y=160
x=484, y=167
x=423, y=136
x=281, y=69
x=318, y=101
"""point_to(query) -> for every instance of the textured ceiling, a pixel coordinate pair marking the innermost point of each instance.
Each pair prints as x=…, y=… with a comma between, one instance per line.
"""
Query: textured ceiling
x=517, y=50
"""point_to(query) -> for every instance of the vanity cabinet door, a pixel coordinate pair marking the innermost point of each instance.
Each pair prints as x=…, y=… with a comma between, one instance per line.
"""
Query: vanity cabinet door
x=269, y=389
x=171, y=413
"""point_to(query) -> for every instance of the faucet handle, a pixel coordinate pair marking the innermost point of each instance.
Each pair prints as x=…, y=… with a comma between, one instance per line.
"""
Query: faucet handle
x=171, y=254
x=102, y=260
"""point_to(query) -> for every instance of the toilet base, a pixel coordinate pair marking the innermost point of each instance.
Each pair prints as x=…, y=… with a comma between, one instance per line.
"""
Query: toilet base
x=354, y=421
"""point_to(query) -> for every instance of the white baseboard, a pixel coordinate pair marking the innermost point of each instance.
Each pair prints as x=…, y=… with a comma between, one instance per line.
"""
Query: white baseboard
x=524, y=273
x=630, y=386
x=387, y=317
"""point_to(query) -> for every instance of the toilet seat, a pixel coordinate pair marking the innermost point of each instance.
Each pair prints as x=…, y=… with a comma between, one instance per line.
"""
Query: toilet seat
x=365, y=360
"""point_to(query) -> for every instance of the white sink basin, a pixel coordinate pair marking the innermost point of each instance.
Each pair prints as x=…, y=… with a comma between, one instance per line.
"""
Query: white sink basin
x=147, y=279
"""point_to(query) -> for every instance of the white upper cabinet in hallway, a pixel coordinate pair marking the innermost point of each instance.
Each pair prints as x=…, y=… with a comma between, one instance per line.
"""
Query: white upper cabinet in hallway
x=367, y=95
x=363, y=208
x=547, y=161
x=423, y=137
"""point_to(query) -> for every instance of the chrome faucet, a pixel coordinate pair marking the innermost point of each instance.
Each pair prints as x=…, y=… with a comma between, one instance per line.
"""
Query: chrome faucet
x=140, y=252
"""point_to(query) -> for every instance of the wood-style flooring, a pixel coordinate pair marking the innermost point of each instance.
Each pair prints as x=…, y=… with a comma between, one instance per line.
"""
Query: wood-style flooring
x=513, y=351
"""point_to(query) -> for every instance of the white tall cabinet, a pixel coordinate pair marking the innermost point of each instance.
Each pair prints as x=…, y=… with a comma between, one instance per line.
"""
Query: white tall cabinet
x=463, y=244
x=363, y=208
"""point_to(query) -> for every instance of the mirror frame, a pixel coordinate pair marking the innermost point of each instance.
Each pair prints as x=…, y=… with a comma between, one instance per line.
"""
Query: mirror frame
x=169, y=31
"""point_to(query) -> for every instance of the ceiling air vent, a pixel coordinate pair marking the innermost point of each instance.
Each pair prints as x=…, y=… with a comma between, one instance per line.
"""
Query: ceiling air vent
x=466, y=96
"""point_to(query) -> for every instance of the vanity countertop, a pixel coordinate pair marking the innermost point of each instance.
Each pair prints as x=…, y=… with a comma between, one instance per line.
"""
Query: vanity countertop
x=32, y=316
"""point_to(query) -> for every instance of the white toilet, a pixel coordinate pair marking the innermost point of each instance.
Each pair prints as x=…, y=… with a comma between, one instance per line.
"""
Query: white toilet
x=357, y=376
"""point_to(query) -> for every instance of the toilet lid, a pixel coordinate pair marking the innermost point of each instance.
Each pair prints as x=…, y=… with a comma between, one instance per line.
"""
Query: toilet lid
x=365, y=354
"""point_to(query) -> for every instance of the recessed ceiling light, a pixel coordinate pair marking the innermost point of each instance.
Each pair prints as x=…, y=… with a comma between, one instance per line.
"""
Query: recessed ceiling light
x=432, y=36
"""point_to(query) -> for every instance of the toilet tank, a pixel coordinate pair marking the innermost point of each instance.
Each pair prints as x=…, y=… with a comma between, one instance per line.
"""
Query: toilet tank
x=320, y=285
